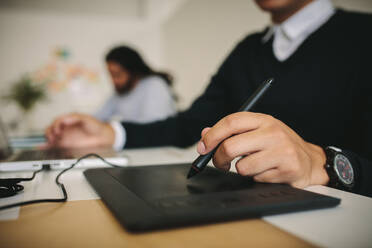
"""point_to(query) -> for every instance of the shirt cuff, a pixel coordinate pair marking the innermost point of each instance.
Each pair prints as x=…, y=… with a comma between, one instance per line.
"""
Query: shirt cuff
x=120, y=135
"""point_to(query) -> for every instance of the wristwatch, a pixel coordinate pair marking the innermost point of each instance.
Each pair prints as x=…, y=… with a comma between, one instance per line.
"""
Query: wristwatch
x=339, y=169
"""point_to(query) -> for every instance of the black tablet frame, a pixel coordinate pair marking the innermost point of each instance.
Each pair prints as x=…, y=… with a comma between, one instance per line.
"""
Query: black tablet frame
x=138, y=215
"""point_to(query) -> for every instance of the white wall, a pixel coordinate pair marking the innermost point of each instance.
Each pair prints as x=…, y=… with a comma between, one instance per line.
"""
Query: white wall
x=201, y=34
x=28, y=38
x=355, y=5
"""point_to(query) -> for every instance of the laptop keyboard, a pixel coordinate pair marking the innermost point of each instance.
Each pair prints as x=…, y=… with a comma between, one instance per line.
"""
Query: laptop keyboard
x=32, y=155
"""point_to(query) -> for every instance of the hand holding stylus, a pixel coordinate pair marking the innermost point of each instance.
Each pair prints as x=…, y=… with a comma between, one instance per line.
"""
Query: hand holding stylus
x=269, y=150
x=200, y=162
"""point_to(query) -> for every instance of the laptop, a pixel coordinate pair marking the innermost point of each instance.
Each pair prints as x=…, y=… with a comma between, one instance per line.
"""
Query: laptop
x=149, y=198
x=24, y=160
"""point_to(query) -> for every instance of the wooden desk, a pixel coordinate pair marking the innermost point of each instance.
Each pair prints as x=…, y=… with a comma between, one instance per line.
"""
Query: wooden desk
x=84, y=221
x=90, y=224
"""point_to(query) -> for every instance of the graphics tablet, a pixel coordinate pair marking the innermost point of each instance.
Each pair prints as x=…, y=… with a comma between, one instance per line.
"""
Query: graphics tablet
x=155, y=197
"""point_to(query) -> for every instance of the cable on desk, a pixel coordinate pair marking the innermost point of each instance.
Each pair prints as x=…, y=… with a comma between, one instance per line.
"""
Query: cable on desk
x=61, y=185
x=10, y=186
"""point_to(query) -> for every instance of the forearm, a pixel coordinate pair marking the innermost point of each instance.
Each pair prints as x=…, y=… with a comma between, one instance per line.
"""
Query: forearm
x=174, y=131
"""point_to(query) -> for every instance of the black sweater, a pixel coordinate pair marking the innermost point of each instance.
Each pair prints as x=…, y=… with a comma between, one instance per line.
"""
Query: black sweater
x=321, y=92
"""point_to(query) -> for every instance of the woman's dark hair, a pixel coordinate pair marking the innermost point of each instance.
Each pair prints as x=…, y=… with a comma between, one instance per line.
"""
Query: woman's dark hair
x=132, y=61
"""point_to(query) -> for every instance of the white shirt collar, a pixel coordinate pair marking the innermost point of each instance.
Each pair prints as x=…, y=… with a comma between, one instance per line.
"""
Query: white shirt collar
x=304, y=22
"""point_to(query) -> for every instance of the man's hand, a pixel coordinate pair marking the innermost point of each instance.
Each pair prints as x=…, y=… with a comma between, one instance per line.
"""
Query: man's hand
x=270, y=151
x=79, y=130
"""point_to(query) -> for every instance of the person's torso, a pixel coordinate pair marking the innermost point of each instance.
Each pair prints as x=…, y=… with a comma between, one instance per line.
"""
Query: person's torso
x=131, y=106
x=317, y=90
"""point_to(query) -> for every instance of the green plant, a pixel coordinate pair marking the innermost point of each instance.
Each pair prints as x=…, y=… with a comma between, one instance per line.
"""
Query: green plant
x=26, y=93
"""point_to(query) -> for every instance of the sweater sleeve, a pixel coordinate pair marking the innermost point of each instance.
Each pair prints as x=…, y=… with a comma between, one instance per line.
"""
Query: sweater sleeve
x=184, y=128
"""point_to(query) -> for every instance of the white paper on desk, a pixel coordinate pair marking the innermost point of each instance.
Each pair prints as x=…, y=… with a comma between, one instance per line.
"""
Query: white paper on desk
x=12, y=213
x=44, y=186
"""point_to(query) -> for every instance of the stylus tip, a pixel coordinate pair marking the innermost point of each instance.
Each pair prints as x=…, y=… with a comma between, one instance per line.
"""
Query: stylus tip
x=192, y=172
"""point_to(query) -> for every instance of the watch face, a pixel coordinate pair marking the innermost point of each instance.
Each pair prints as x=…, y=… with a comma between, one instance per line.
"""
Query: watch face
x=343, y=169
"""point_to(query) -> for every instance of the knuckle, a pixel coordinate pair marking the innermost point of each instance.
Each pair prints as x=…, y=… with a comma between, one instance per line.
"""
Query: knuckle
x=275, y=130
x=241, y=168
x=290, y=151
x=280, y=134
x=246, y=166
x=207, y=141
x=230, y=120
x=204, y=131
x=228, y=149
x=277, y=133
x=267, y=119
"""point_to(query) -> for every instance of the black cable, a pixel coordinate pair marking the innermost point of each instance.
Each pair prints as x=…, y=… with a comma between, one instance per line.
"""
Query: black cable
x=10, y=187
x=61, y=185
x=18, y=179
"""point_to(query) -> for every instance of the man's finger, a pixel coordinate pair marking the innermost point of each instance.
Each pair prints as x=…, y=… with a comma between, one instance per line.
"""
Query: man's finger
x=239, y=145
x=256, y=163
x=231, y=125
x=204, y=131
x=67, y=120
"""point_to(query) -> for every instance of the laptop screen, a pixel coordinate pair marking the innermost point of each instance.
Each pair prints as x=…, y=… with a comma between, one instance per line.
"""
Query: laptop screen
x=5, y=150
